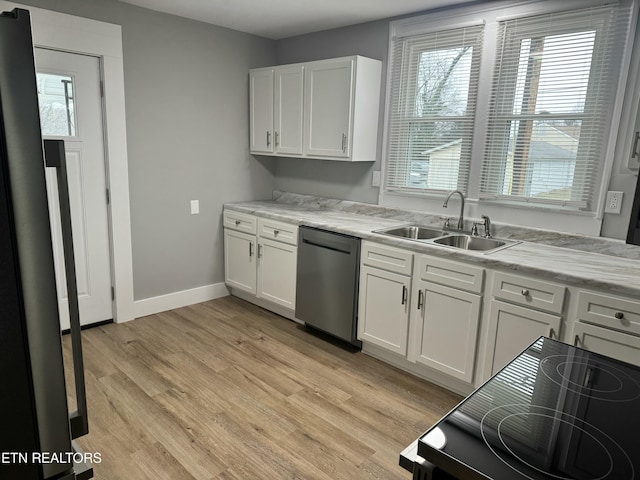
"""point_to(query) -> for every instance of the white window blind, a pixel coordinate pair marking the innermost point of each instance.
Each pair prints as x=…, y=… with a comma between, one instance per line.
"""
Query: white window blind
x=433, y=96
x=555, y=82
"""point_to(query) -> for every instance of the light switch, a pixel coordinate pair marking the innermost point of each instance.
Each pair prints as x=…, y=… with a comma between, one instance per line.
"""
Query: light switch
x=195, y=207
x=375, y=179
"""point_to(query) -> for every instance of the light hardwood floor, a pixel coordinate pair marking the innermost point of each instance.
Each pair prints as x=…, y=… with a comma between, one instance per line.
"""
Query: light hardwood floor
x=226, y=390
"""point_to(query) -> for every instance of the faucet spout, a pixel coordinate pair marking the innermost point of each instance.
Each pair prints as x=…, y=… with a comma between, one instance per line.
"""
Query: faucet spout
x=461, y=218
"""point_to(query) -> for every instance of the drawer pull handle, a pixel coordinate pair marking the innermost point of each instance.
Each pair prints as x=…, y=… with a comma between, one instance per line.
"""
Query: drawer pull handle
x=420, y=294
x=237, y=222
x=259, y=250
x=250, y=249
x=619, y=315
x=552, y=333
x=276, y=232
x=525, y=292
x=404, y=294
x=576, y=340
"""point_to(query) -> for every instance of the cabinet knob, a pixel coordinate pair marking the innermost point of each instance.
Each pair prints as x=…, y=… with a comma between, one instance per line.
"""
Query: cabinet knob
x=237, y=222
x=525, y=292
x=619, y=315
x=276, y=232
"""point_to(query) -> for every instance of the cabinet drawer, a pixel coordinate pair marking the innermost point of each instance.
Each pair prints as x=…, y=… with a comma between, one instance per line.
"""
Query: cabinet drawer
x=279, y=231
x=612, y=312
x=242, y=222
x=387, y=258
x=528, y=292
x=452, y=274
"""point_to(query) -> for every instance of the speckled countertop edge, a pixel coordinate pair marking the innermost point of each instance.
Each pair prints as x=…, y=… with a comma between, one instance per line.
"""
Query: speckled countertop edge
x=564, y=265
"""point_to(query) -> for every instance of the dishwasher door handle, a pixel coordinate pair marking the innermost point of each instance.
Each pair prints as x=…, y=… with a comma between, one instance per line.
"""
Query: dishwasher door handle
x=329, y=246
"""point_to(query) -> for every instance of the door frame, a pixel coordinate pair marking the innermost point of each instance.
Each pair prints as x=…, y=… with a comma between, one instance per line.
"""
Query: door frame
x=69, y=33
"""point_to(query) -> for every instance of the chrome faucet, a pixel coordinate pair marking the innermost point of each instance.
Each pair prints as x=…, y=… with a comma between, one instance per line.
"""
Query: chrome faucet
x=461, y=219
x=487, y=225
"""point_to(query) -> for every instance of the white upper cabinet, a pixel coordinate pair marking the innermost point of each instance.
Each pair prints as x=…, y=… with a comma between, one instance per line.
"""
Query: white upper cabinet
x=261, y=113
x=328, y=99
x=326, y=109
x=287, y=135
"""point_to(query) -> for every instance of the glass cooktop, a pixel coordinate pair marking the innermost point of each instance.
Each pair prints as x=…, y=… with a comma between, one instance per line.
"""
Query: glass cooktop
x=555, y=412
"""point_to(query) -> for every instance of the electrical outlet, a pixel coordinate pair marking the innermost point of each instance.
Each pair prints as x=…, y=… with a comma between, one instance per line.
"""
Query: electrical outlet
x=195, y=207
x=614, y=202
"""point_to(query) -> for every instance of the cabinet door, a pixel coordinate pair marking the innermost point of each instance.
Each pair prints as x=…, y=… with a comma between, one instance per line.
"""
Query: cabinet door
x=328, y=101
x=511, y=329
x=618, y=345
x=261, y=111
x=240, y=260
x=444, y=329
x=287, y=133
x=277, y=272
x=383, y=315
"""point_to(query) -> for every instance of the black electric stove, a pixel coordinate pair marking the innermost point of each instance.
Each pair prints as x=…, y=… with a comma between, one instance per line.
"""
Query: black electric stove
x=554, y=412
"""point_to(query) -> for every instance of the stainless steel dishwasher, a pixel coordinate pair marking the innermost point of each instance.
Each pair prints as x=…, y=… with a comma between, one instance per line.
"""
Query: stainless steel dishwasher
x=327, y=282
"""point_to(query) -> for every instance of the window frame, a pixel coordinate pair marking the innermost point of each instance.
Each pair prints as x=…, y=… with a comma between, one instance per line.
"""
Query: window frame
x=408, y=90
x=588, y=130
x=538, y=215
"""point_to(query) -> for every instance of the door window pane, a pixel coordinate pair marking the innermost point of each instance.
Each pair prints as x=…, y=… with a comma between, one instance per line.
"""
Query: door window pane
x=57, y=105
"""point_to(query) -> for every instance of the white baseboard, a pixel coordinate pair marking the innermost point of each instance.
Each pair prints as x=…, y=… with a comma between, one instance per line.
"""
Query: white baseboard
x=162, y=303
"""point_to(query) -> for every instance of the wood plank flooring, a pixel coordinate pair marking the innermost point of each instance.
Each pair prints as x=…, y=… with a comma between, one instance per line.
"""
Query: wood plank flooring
x=225, y=390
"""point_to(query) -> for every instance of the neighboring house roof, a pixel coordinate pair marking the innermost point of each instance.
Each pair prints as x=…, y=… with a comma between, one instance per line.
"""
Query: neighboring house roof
x=441, y=147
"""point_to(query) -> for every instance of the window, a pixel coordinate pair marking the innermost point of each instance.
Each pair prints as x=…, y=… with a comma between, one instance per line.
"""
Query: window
x=57, y=109
x=553, y=88
x=432, y=111
x=515, y=104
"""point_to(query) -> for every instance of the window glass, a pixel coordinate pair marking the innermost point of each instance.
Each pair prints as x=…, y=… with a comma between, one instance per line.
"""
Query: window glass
x=554, y=85
x=432, y=111
x=57, y=108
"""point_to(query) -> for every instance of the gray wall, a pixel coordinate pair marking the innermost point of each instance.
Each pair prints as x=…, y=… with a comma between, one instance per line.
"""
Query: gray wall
x=186, y=88
x=349, y=181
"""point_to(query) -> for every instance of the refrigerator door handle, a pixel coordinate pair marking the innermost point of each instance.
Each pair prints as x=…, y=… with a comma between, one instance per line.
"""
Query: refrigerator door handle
x=55, y=157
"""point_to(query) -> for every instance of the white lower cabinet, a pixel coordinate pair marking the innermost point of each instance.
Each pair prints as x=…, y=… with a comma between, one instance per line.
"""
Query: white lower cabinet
x=383, y=308
x=240, y=260
x=611, y=343
x=445, y=316
x=511, y=329
x=277, y=272
x=521, y=309
x=608, y=324
x=262, y=258
x=383, y=317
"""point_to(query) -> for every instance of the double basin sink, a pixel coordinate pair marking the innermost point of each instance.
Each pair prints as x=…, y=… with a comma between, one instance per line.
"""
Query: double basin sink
x=447, y=238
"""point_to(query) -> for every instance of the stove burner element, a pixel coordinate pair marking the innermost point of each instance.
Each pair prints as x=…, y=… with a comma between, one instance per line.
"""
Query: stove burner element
x=622, y=387
x=498, y=422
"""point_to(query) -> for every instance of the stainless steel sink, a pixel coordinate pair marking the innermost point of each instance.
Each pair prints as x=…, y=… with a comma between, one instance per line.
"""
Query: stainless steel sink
x=447, y=238
x=467, y=242
x=413, y=232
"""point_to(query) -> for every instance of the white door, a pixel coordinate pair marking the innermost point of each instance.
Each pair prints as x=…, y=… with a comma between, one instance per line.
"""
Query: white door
x=383, y=317
x=289, y=83
x=277, y=272
x=71, y=110
x=240, y=268
x=261, y=111
x=445, y=329
x=328, y=94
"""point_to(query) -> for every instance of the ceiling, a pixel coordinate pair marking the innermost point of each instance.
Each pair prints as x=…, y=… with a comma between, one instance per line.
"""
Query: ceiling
x=278, y=19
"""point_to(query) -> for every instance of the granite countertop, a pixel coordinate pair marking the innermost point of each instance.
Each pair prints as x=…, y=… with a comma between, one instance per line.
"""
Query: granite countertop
x=577, y=260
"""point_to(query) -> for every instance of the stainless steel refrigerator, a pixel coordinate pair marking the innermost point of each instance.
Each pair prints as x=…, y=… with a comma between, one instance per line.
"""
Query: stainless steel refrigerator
x=36, y=427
